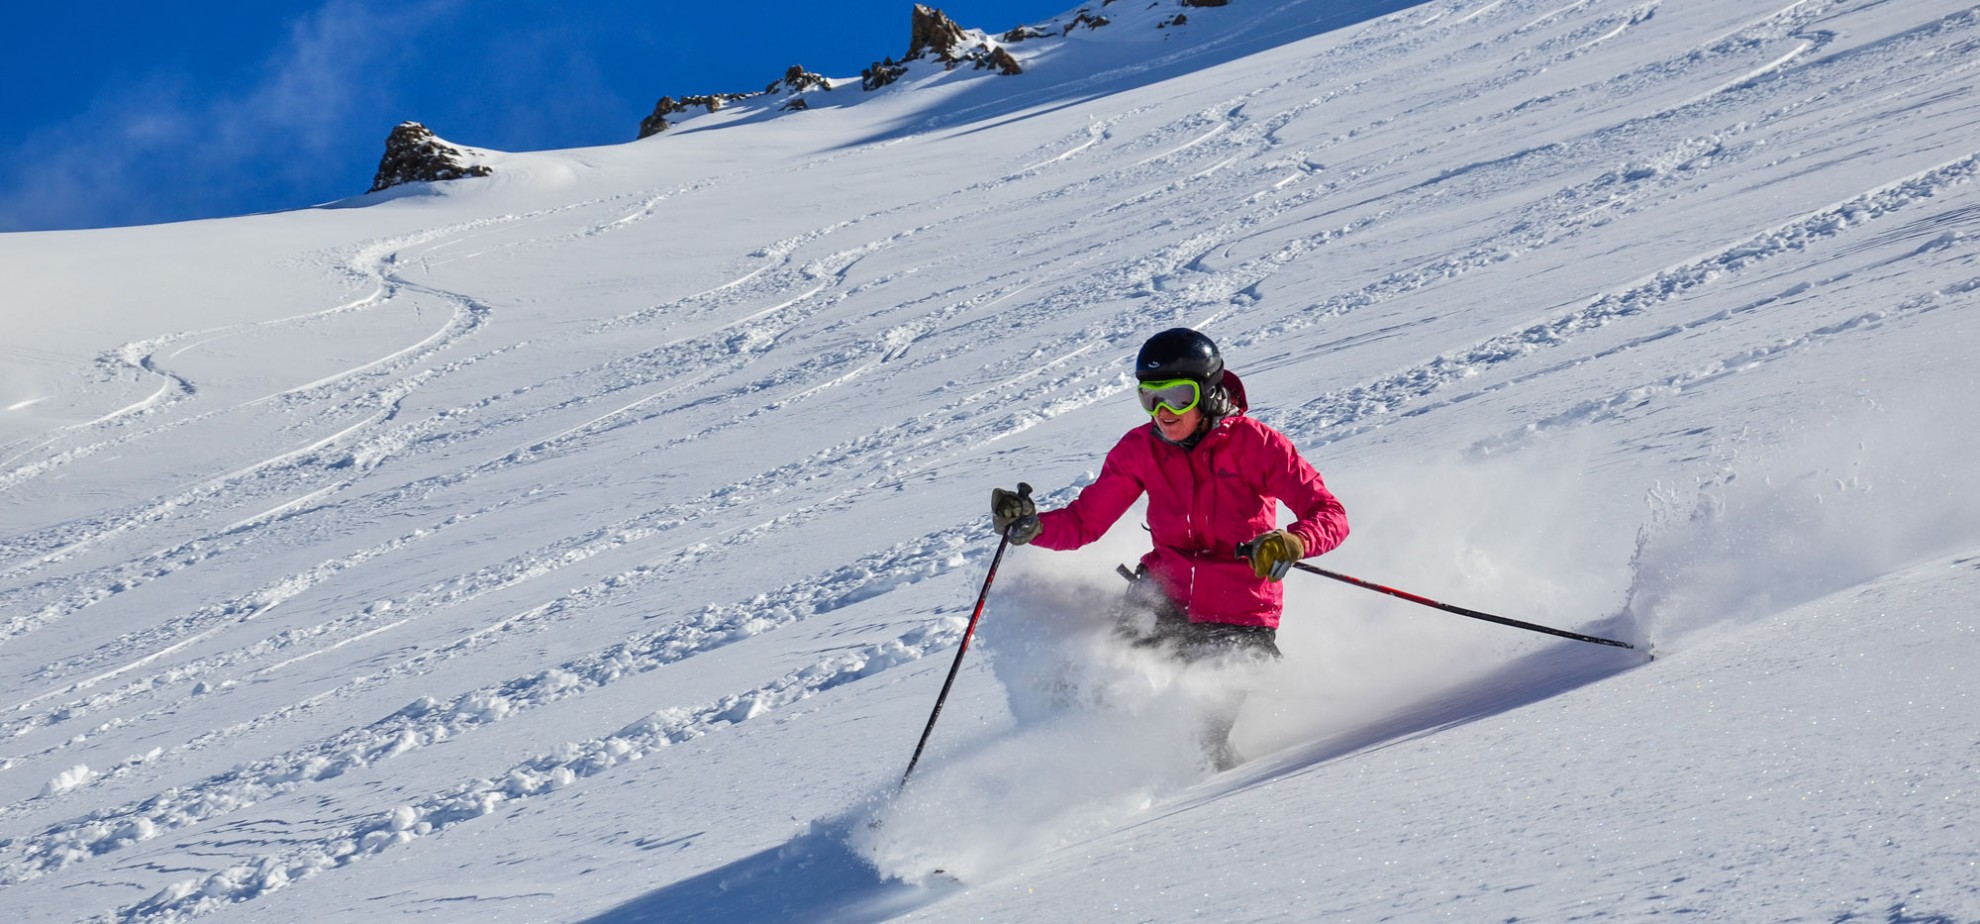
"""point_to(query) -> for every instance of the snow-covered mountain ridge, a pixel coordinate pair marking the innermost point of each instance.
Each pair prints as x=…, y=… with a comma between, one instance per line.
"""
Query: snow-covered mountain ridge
x=587, y=541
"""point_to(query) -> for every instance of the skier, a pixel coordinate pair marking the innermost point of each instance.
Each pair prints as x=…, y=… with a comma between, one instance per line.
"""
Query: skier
x=1214, y=479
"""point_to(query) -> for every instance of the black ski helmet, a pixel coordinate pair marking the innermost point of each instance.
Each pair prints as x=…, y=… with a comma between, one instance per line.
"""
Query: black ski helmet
x=1179, y=353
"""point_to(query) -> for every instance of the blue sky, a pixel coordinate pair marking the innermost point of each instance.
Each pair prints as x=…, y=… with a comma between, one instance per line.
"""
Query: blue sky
x=145, y=112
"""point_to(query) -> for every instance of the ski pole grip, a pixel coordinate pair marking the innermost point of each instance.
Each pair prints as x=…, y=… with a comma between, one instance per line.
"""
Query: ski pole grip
x=1028, y=521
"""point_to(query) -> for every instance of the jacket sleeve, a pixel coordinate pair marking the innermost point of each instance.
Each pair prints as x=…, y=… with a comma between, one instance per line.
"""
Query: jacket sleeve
x=1098, y=505
x=1319, y=520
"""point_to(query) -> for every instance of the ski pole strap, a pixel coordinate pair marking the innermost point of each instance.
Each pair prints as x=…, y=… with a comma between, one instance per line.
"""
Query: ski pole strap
x=1459, y=610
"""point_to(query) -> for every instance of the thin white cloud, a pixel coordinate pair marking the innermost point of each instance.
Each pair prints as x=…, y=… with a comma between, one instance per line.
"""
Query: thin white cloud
x=164, y=149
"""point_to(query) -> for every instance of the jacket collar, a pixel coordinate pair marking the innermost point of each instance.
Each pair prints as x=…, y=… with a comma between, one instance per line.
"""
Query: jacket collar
x=1209, y=428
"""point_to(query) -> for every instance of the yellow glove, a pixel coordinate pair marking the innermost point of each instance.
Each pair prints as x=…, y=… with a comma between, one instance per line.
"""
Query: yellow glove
x=1273, y=554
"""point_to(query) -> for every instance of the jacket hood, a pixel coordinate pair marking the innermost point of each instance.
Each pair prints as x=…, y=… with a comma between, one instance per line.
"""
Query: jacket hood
x=1234, y=387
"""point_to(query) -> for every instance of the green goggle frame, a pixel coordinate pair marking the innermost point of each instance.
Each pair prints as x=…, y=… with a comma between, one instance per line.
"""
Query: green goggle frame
x=1178, y=395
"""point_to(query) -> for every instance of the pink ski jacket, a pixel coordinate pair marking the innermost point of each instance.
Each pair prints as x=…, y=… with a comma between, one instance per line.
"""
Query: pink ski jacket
x=1203, y=502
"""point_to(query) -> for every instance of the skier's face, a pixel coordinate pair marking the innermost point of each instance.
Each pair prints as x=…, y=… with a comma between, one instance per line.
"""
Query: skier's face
x=1177, y=427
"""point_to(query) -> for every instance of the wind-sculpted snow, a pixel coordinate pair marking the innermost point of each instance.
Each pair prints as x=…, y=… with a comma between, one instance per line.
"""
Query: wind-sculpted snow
x=405, y=529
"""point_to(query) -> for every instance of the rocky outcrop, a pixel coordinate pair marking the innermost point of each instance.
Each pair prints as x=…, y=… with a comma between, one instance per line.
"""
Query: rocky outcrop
x=656, y=122
x=797, y=80
x=413, y=154
x=1086, y=19
x=880, y=74
x=1000, y=60
x=713, y=102
x=934, y=36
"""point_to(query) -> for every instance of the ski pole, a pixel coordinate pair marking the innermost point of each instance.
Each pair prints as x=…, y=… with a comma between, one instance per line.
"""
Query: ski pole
x=1244, y=552
x=1024, y=491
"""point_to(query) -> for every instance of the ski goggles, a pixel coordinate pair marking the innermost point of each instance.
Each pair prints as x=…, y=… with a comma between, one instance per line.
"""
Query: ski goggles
x=1178, y=395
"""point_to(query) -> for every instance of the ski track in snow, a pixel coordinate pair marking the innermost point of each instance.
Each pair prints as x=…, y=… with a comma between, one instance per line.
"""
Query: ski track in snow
x=429, y=722
x=1232, y=193
x=1333, y=417
x=348, y=840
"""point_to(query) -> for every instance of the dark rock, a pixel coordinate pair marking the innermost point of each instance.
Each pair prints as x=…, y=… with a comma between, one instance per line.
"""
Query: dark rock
x=881, y=74
x=798, y=80
x=414, y=155
x=1001, y=60
x=1020, y=34
x=1085, y=19
x=933, y=34
x=795, y=104
x=713, y=102
x=1205, y=3
x=657, y=122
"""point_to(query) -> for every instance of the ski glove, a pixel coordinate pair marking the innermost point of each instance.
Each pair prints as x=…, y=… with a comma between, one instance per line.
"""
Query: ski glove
x=1272, y=555
x=1015, y=515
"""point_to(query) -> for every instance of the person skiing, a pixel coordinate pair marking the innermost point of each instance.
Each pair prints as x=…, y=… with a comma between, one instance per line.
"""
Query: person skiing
x=1215, y=479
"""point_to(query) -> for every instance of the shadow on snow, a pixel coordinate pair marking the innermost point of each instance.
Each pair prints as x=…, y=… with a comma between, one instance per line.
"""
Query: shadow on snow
x=1549, y=672
x=817, y=877
x=814, y=878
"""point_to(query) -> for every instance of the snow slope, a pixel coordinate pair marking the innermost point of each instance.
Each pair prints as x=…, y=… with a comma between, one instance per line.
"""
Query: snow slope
x=588, y=542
